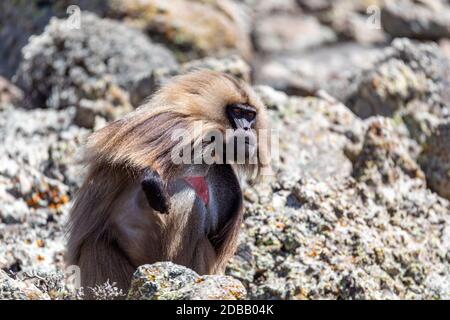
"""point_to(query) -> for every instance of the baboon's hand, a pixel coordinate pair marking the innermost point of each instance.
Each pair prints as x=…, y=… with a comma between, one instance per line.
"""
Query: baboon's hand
x=154, y=190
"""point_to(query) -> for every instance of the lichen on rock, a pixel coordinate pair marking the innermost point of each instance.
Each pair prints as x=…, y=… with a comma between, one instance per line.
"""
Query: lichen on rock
x=11, y=289
x=64, y=66
x=190, y=27
x=435, y=160
x=168, y=281
x=406, y=72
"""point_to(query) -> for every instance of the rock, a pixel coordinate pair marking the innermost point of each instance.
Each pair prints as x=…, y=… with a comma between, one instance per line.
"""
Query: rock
x=290, y=33
x=358, y=27
x=354, y=20
x=314, y=5
x=407, y=72
x=38, y=176
x=13, y=210
x=272, y=98
x=168, y=281
x=419, y=121
x=63, y=66
x=262, y=8
x=116, y=103
x=232, y=65
x=310, y=131
x=19, y=20
x=85, y=115
x=444, y=44
x=222, y=29
x=383, y=159
x=11, y=289
x=424, y=19
x=367, y=229
x=435, y=160
x=342, y=239
x=304, y=73
x=9, y=93
x=22, y=19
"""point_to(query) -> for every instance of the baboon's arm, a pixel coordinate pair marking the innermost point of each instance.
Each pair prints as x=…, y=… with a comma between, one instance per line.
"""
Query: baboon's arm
x=155, y=192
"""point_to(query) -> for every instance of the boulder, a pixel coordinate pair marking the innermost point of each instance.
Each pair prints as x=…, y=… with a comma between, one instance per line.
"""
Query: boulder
x=425, y=19
x=9, y=93
x=222, y=30
x=11, y=289
x=377, y=233
x=435, y=160
x=290, y=33
x=62, y=66
x=406, y=72
x=168, y=281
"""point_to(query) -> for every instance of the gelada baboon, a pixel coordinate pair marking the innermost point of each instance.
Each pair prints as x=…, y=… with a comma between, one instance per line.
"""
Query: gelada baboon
x=139, y=204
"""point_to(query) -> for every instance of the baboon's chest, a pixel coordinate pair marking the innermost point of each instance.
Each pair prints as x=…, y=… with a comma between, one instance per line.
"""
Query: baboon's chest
x=209, y=200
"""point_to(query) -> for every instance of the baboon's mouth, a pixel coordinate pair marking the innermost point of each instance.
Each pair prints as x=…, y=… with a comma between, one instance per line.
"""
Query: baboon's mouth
x=199, y=184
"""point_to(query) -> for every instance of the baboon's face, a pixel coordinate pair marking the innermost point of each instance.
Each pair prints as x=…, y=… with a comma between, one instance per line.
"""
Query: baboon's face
x=241, y=137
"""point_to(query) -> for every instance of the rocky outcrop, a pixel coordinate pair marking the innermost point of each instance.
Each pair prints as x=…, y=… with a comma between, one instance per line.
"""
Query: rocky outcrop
x=177, y=24
x=38, y=177
x=352, y=20
x=168, y=281
x=369, y=237
x=407, y=72
x=290, y=33
x=19, y=20
x=426, y=20
x=11, y=289
x=9, y=93
x=311, y=131
x=435, y=160
x=64, y=67
x=304, y=73
x=383, y=159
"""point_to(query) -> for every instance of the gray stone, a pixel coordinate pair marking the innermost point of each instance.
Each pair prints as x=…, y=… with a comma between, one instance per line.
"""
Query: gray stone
x=11, y=289
x=19, y=20
x=168, y=281
x=292, y=33
x=88, y=63
x=407, y=72
x=435, y=160
x=383, y=158
x=9, y=93
x=425, y=20
x=223, y=28
x=373, y=232
x=304, y=73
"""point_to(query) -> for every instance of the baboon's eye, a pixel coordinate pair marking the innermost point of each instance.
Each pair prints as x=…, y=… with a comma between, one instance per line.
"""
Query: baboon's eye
x=249, y=115
x=237, y=111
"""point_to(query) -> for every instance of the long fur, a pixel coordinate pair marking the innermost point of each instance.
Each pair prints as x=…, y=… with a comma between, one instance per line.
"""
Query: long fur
x=117, y=155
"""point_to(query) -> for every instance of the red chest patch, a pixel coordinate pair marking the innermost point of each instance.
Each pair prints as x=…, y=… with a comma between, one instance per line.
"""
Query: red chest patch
x=200, y=186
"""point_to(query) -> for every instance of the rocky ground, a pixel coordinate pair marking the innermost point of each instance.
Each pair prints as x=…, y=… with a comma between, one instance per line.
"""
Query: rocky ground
x=359, y=206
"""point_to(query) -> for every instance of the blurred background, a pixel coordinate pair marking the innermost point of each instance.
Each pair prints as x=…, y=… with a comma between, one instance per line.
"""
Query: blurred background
x=357, y=90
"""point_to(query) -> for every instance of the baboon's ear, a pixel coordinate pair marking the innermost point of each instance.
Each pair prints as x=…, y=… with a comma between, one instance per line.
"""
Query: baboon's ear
x=154, y=190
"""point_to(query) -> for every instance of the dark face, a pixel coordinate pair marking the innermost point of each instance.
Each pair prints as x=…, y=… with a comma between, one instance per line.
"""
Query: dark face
x=241, y=116
x=242, y=119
